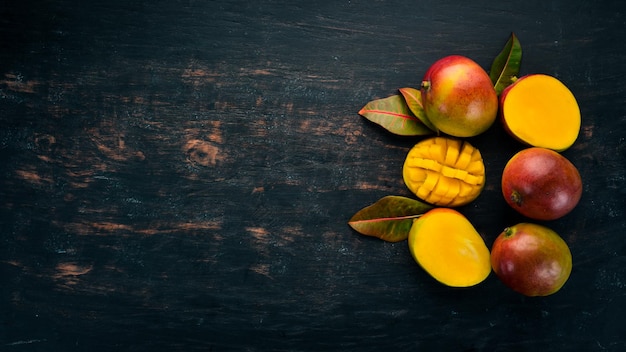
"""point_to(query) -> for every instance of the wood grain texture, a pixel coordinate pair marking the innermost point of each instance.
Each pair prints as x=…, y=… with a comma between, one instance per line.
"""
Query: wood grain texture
x=178, y=175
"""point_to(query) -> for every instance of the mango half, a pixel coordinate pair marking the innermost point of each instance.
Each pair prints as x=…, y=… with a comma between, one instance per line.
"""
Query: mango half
x=540, y=111
x=444, y=171
x=448, y=247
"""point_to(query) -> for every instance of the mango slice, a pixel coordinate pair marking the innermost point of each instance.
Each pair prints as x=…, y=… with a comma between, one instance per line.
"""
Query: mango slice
x=446, y=245
x=444, y=171
x=540, y=111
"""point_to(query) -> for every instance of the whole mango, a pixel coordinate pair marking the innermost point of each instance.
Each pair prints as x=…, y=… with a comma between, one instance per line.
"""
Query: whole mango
x=458, y=97
x=531, y=259
x=541, y=184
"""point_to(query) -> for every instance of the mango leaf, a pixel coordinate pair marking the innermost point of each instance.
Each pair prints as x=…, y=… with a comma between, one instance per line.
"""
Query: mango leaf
x=393, y=114
x=506, y=65
x=413, y=99
x=389, y=219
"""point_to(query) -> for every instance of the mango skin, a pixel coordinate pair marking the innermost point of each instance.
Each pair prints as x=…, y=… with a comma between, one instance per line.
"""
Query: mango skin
x=459, y=97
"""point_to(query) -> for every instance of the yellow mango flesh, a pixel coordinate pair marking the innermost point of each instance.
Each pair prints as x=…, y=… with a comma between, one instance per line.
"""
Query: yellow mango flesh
x=444, y=171
x=446, y=245
x=541, y=111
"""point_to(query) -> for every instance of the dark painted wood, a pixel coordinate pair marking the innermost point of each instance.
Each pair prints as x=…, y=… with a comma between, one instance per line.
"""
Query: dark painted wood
x=178, y=175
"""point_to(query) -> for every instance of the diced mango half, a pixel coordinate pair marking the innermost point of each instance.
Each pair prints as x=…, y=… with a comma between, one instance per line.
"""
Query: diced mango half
x=444, y=171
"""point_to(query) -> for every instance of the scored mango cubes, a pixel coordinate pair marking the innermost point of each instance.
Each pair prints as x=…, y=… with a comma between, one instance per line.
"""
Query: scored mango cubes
x=444, y=171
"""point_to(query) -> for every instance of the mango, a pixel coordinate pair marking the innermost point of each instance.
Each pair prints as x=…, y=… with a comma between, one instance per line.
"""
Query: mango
x=444, y=171
x=458, y=97
x=448, y=247
x=541, y=184
x=531, y=259
x=540, y=111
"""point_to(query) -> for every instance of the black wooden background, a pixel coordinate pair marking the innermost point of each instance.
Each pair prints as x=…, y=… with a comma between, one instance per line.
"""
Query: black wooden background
x=178, y=175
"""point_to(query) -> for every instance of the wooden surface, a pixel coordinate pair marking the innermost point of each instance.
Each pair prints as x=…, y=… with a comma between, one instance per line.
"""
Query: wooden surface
x=178, y=175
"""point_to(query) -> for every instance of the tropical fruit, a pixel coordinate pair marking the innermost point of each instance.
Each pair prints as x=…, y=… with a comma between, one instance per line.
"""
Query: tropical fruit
x=540, y=111
x=541, y=184
x=458, y=97
x=444, y=171
x=531, y=259
x=446, y=245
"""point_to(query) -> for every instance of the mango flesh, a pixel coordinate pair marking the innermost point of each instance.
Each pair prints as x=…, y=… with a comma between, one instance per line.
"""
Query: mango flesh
x=541, y=184
x=459, y=97
x=444, y=171
x=531, y=259
x=539, y=110
x=446, y=245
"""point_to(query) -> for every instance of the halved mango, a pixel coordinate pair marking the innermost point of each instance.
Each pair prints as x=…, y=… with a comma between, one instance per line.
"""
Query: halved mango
x=540, y=111
x=448, y=247
x=444, y=171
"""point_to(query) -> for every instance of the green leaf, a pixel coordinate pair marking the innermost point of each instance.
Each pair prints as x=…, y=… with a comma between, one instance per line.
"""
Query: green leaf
x=389, y=219
x=505, y=67
x=393, y=114
x=413, y=99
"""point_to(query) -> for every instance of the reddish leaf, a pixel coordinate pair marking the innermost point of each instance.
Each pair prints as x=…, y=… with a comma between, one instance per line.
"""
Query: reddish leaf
x=389, y=219
x=393, y=114
x=413, y=99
